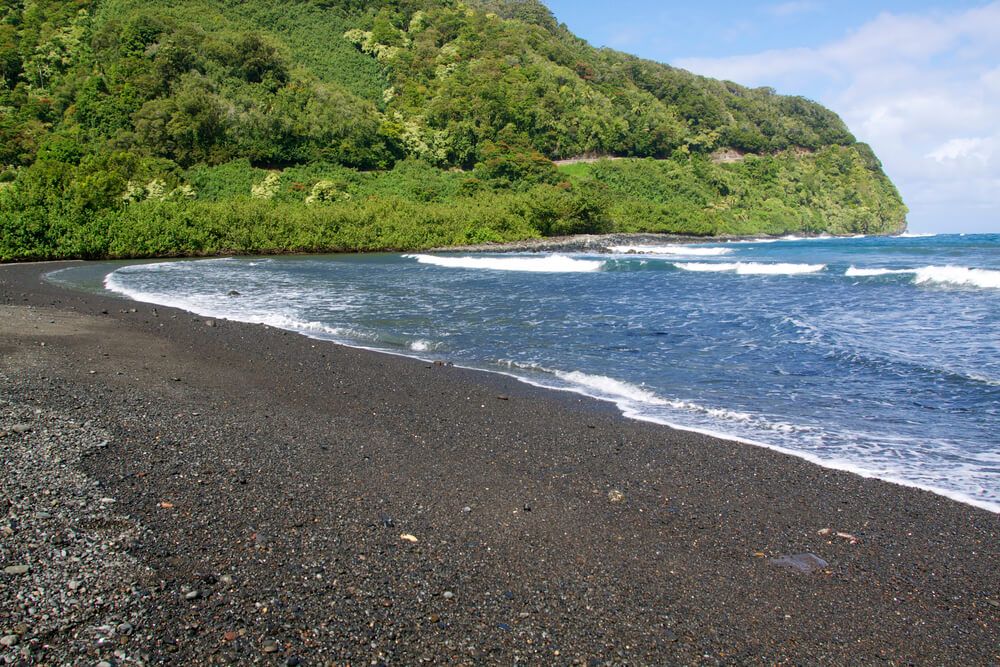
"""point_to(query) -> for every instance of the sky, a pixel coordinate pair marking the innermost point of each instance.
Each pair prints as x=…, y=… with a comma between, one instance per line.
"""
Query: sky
x=918, y=80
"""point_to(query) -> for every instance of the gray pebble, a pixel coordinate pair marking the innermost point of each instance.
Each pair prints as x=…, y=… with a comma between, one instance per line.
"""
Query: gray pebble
x=104, y=663
x=125, y=629
x=448, y=595
x=803, y=563
x=269, y=646
x=193, y=595
x=74, y=584
x=9, y=640
x=226, y=580
x=17, y=569
x=20, y=428
x=466, y=509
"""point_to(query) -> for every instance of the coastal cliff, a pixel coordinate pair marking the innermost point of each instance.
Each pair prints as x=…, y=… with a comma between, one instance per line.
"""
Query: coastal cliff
x=214, y=126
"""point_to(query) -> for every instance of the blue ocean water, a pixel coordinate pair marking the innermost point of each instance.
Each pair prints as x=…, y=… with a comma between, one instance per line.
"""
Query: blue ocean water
x=876, y=355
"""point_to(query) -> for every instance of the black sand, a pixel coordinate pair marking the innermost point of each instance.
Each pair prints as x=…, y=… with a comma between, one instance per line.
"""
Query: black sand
x=548, y=528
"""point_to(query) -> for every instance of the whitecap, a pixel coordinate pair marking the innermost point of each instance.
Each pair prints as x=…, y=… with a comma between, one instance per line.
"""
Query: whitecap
x=752, y=268
x=915, y=235
x=678, y=250
x=545, y=264
x=855, y=272
x=948, y=275
x=958, y=275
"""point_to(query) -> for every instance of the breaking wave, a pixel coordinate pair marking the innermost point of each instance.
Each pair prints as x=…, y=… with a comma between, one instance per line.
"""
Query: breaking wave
x=752, y=268
x=947, y=275
x=546, y=264
x=677, y=250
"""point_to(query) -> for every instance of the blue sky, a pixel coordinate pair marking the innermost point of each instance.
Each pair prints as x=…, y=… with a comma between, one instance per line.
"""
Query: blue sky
x=918, y=80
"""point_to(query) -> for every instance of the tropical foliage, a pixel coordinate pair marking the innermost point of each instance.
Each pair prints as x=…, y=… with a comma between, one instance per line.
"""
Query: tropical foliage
x=206, y=126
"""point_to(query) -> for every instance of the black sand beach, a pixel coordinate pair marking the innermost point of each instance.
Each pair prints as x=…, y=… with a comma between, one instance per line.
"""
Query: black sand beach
x=237, y=494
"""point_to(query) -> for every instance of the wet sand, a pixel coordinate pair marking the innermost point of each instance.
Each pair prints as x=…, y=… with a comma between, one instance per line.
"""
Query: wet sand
x=292, y=501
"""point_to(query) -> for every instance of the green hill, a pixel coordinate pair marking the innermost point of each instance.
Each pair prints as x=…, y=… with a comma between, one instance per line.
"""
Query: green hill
x=207, y=126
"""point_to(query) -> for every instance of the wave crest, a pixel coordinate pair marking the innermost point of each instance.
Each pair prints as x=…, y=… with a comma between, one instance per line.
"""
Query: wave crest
x=677, y=250
x=752, y=268
x=948, y=275
x=546, y=264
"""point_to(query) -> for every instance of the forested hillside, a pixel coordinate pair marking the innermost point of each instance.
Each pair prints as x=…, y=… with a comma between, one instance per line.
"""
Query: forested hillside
x=130, y=128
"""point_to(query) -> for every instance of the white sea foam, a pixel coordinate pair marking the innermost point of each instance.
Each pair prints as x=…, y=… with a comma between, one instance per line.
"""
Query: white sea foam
x=610, y=388
x=421, y=345
x=958, y=275
x=752, y=268
x=636, y=400
x=545, y=264
x=915, y=235
x=948, y=275
x=676, y=250
x=855, y=272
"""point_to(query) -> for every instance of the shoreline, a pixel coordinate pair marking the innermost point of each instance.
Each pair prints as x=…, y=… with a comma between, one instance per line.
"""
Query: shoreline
x=293, y=466
x=619, y=404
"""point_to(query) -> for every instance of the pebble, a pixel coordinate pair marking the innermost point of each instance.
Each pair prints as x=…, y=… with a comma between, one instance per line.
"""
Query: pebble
x=104, y=663
x=74, y=584
x=269, y=646
x=616, y=496
x=466, y=509
x=802, y=563
x=17, y=569
x=9, y=640
x=20, y=428
x=192, y=595
x=448, y=595
x=226, y=580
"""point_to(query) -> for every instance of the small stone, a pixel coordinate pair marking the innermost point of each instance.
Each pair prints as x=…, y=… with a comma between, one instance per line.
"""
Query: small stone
x=17, y=569
x=293, y=661
x=74, y=584
x=210, y=323
x=269, y=646
x=20, y=428
x=125, y=628
x=233, y=292
x=408, y=538
x=9, y=640
x=801, y=563
x=192, y=595
x=616, y=496
x=448, y=595
x=104, y=663
x=226, y=580
x=466, y=509
x=230, y=636
x=43, y=515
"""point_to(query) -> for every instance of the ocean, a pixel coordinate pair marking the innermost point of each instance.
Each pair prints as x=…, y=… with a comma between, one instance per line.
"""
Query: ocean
x=878, y=355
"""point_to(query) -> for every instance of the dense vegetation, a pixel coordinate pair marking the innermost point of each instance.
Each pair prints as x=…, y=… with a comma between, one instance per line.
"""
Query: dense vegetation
x=205, y=126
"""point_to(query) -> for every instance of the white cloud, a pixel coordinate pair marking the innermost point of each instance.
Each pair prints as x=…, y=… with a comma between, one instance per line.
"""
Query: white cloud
x=979, y=149
x=923, y=89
